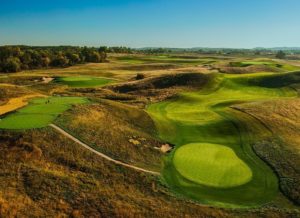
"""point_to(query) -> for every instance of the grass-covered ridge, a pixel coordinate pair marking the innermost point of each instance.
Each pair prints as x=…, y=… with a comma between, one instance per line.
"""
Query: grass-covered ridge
x=204, y=117
x=39, y=113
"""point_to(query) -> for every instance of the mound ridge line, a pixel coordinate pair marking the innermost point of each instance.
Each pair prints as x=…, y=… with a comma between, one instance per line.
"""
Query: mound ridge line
x=60, y=130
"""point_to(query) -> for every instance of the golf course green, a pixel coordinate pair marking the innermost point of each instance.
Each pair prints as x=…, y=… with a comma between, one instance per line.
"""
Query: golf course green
x=83, y=81
x=219, y=167
x=213, y=161
x=39, y=112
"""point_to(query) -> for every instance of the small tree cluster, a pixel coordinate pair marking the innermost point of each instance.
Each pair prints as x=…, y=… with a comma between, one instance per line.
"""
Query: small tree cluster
x=280, y=55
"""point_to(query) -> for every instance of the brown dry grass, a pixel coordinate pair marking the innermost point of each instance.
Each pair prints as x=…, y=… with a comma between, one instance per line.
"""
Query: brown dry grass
x=282, y=116
x=282, y=150
x=46, y=175
x=111, y=128
x=245, y=70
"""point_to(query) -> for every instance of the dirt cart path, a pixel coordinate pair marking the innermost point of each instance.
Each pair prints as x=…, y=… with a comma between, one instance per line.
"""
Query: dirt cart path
x=60, y=130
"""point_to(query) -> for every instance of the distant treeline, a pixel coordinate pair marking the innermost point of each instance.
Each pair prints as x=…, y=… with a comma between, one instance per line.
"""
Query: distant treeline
x=18, y=58
x=220, y=51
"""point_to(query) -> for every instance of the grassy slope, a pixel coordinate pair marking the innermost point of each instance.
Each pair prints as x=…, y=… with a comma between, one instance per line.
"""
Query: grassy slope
x=120, y=131
x=46, y=175
x=202, y=117
x=256, y=65
x=281, y=151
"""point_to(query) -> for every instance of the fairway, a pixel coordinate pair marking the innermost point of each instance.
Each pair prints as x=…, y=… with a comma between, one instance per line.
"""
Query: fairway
x=39, y=113
x=83, y=81
x=213, y=161
x=211, y=165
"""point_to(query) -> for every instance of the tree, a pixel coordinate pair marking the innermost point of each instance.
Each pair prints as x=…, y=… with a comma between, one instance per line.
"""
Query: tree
x=103, y=49
x=11, y=64
x=16, y=58
x=73, y=58
x=103, y=53
x=60, y=61
x=280, y=55
x=140, y=76
x=26, y=60
x=94, y=57
x=45, y=61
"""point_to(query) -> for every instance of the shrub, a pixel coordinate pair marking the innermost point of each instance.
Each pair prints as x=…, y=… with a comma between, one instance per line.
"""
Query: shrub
x=140, y=76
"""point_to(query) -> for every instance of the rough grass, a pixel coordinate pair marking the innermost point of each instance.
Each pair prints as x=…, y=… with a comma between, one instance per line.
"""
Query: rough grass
x=256, y=66
x=281, y=151
x=191, y=80
x=211, y=165
x=39, y=113
x=148, y=59
x=46, y=175
x=112, y=128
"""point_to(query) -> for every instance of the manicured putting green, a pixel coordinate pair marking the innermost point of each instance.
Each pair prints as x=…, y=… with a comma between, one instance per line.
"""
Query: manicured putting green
x=212, y=165
x=39, y=113
x=83, y=81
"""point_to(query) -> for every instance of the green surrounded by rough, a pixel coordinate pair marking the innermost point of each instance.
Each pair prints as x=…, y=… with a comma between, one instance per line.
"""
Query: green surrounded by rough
x=83, y=81
x=205, y=117
x=212, y=165
x=39, y=113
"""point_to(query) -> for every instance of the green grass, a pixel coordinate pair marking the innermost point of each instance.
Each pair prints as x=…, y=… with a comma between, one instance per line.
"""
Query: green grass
x=204, y=117
x=211, y=165
x=39, y=113
x=83, y=81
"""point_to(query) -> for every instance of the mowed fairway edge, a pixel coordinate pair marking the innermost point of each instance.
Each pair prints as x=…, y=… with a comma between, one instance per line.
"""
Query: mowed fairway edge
x=83, y=81
x=39, y=113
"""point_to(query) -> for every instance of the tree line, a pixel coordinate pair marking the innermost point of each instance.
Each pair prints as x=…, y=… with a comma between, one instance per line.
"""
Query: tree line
x=18, y=58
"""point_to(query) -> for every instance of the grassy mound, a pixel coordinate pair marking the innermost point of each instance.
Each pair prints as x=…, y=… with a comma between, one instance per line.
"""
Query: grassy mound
x=211, y=165
x=250, y=63
x=39, y=113
x=163, y=82
x=83, y=81
x=123, y=132
x=282, y=151
x=270, y=80
x=256, y=66
x=204, y=117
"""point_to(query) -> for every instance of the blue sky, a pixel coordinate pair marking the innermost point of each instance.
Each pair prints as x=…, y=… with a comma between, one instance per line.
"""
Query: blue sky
x=159, y=23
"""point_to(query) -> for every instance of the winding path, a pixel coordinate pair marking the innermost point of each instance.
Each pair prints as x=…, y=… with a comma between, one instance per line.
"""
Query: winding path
x=63, y=132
